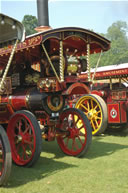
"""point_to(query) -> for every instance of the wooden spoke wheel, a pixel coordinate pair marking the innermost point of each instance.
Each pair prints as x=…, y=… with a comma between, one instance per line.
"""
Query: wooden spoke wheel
x=71, y=140
x=95, y=109
x=5, y=157
x=25, y=138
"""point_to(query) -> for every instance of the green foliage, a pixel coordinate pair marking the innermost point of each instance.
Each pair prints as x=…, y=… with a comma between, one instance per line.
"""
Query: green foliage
x=117, y=34
x=30, y=23
x=117, y=30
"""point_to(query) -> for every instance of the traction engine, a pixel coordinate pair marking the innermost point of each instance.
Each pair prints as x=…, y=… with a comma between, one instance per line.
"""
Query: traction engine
x=41, y=78
x=110, y=89
x=38, y=89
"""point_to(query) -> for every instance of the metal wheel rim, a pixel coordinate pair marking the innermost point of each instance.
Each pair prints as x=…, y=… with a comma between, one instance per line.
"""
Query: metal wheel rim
x=5, y=157
x=2, y=157
x=91, y=108
x=74, y=142
x=22, y=139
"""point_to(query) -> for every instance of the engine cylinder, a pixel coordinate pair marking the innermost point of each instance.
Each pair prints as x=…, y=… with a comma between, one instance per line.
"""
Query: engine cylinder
x=29, y=99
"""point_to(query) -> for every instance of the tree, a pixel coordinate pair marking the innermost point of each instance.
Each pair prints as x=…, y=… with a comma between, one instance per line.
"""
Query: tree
x=118, y=53
x=30, y=23
x=117, y=30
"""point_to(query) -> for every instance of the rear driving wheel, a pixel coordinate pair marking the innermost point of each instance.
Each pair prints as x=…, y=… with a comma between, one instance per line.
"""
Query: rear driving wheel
x=95, y=109
x=75, y=132
x=25, y=138
x=5, y=157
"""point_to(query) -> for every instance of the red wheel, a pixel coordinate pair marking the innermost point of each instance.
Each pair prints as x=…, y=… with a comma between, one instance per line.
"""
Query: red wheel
x=76, y=132
x=5, y=157
x=25, y=138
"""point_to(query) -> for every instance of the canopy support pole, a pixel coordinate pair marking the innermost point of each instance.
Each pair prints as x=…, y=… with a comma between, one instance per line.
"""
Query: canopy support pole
x=7, y=67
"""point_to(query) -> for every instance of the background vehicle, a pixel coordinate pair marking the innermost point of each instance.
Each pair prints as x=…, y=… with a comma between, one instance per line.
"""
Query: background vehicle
x=11, y=32
x=115, y=93
x=110, y=85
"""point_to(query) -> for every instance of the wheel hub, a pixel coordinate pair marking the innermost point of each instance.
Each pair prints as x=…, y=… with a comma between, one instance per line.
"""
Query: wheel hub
x=19, y=138
x=22, y=138
x=73, y=132
x=91, y=114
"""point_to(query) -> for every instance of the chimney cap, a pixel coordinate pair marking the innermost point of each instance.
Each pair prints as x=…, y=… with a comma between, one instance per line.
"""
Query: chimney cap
x=43, y=28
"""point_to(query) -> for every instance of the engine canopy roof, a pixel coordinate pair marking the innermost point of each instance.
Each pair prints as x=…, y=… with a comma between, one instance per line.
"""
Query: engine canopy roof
x=10, y=30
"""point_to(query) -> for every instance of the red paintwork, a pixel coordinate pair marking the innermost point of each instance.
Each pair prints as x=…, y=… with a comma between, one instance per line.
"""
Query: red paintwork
x=30, y=42
x=107, y=72
x=31, y=50
x=77, y=88
x=73, y=38
x=111, y=73
x=113, y=113
x=127, y=105
x=75, y=137
x=27, y=141
x=117, y=97
x=123, y=111
x=117, y=112
x=100, y=93
x=17, y=101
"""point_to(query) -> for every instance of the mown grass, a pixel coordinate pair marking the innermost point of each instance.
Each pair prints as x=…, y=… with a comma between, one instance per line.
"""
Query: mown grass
x=103, y=170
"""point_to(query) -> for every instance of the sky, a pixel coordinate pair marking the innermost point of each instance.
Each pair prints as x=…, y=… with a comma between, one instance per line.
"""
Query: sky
x=94, y=15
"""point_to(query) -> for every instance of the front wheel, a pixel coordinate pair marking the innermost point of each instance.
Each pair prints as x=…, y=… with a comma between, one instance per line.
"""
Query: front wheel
x=25, y=138
x=76, y=135
x=5, y=157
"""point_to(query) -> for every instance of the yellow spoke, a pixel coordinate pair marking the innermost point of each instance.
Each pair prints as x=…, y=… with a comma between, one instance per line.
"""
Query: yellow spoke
x=84, y=107
x=98, y=112
x=92, y=104
x=98, y=118
x=88, y=105
x=93, y=125
x=95, y=107
x=76, y=121
x=96, y=123
x=80, y=126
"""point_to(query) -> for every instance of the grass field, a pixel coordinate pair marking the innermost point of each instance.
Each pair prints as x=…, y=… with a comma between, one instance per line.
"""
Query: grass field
x=103, y=170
